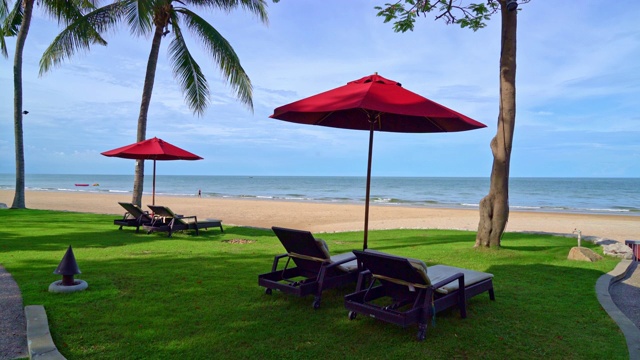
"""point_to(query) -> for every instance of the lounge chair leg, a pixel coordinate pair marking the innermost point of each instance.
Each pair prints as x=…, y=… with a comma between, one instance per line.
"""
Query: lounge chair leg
x=120, y=228
x=422, y=332
x=316, y=302
x=268, y=291
x=352, y=315
x=492, y=296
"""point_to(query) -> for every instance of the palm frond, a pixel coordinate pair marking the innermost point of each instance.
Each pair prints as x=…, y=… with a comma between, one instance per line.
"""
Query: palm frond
x=66, y=11
x=89, y=4
x=4, y=12
x=4, y=9
x=222, y=53
x=140, y=15
x=187, y=71
x=257, y=7
x=81, y=34
x=11, y=23
x=3, y=47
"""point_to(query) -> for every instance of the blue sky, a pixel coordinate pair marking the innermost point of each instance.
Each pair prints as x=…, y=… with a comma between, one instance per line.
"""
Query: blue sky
x=578, y=85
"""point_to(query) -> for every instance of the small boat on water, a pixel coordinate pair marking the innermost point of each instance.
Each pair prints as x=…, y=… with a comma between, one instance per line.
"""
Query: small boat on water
x=82, y=184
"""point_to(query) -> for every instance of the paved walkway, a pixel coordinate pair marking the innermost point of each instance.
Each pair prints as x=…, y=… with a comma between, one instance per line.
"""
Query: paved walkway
x=626, y=294
x=13, y=325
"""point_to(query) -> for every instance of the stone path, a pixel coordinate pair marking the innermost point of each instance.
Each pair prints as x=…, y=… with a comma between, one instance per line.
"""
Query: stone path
x=626, y=294
x=13, y=325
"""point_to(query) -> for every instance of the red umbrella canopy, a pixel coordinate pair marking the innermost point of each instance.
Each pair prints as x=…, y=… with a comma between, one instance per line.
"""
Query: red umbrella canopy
x=392, y=108
x=152, y=149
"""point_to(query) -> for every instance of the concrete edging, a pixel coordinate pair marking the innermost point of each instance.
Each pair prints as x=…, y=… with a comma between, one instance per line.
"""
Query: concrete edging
x=629, y=329
x=39, y=339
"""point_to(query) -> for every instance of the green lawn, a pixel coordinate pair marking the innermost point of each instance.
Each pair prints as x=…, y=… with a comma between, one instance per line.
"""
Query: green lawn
x=196, y=297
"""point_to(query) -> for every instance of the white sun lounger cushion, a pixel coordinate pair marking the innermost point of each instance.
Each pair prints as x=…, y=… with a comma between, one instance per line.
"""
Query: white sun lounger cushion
x=441, y=272
x=348, y=266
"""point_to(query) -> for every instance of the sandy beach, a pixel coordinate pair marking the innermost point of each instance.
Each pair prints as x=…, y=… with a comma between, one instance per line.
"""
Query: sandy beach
x=323, y=217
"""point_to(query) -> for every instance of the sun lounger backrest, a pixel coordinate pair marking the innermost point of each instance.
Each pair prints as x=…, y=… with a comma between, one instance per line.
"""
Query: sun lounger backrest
x=133, y=209
x=392, y=267
x=162, y=211
x=299, y=242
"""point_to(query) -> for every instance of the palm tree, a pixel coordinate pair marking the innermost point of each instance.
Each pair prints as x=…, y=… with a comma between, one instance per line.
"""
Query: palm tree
x=17, y=23
x=162, y=18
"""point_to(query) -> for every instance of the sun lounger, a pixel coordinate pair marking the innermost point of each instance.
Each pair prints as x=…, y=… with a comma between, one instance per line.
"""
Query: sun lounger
x=165, y=220
x=133, y=217
x=402, y=291
x=313, y=270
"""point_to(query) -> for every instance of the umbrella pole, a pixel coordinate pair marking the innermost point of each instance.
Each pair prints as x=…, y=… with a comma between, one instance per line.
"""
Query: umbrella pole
x=153, y=195
x=366, y=204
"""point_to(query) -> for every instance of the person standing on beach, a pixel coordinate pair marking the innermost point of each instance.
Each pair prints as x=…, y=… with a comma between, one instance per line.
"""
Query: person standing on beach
x=199, y=193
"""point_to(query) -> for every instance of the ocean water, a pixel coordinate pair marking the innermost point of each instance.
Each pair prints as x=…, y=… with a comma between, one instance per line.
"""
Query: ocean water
x=576, y=195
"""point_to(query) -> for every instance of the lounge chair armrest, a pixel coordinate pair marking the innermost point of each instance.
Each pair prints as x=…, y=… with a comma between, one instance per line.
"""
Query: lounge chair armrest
x=277, y=258
x=452, y=278
x=362, y=279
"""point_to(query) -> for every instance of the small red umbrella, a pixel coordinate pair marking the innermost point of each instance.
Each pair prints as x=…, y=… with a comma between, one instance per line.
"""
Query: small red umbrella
x=375, y=103
x=152, y=149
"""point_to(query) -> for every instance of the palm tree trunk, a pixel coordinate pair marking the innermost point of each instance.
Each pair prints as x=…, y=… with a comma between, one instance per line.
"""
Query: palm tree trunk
x=18, y=199
x=494, y=208
x=149, y=79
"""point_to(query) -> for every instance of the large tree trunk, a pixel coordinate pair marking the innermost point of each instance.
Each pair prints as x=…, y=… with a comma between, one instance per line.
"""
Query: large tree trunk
x=494, y=208
x=149, y=79
x=18, y=199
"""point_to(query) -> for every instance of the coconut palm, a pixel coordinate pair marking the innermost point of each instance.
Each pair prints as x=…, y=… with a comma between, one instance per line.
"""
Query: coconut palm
x=17, y=23
x=163, y=18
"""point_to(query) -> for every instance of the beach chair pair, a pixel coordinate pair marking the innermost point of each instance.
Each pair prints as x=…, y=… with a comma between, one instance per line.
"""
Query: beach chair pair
x=162, y=219
x=165, y=220
x=390, y=288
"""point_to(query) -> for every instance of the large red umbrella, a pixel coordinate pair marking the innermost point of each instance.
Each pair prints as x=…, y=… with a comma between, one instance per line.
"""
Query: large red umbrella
x=375, y=103
x=152, y=149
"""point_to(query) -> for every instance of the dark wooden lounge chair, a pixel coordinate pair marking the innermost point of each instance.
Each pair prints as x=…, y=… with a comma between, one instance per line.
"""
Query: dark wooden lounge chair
x=315, y=269
x=401, y=290
x=165, y=220
x=134, y=216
